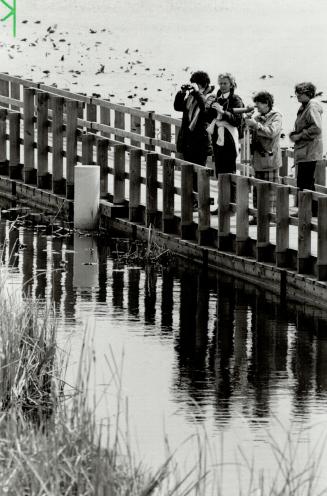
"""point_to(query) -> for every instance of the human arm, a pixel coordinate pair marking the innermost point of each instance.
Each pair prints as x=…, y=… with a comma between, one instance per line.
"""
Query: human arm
x=313, y=127
x=269, y=129
x=229, y=116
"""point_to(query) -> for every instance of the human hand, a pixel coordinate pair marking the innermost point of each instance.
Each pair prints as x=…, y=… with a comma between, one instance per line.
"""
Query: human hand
x=294, y=137
x=218, y=108
x=195, y=87
x=250, y=122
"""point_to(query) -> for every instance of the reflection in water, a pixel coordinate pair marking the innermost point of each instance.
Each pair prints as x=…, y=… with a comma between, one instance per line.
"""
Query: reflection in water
x=236, y=349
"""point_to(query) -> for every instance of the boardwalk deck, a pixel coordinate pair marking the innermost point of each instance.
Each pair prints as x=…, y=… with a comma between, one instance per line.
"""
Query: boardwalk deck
x=45, y=132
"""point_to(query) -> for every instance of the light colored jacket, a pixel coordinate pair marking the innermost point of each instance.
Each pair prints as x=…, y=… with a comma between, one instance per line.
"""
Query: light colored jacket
x=265, y=141
x=308, y=125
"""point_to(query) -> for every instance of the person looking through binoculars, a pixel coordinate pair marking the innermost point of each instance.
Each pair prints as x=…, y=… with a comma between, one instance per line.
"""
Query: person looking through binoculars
x=193, y=140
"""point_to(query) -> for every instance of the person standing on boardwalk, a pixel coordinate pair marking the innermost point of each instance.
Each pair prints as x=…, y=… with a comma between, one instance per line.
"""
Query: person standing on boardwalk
x=307, y=138
x=225, y=125
x=266, y=129
x=193, y=140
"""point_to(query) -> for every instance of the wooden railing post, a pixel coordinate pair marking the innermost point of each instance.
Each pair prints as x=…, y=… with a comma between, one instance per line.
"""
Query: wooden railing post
x=282, y=225
x=242, y=215
x=15, y=169
x=168, y=198
x=44, y=180
x=177, y=131
x=304, y=263
x=119, y=174
x=320, y=172
x=283, y=170
x=29, y=120
x=71, y=146
x=4, y=91
x=105, y=119
x=135, y=128
x=119, y=123
x=263, y=205
x=102, y=147
x=224, y=212
x=87, y=149
x=15, y=94
x=204, y=232
x=151, y=209
x=165, y=134
x=91, y=115
x=187, y=225
x=135, y=185
x=150, y=129
x=4, y=168
x=322, y=239
x=58, y=180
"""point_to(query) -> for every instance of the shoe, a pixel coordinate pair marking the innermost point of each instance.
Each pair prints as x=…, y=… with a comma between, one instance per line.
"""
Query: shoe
x=214, y=212
x=253, y=221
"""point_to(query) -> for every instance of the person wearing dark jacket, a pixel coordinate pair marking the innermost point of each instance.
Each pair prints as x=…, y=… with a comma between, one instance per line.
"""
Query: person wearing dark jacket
x=225, y=127
x=193, y=140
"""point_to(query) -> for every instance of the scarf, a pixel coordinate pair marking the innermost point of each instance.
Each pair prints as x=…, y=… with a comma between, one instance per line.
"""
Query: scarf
x=193, y=108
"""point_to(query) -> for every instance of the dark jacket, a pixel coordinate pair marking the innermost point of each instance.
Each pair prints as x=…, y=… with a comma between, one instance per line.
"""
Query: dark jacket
x=196, y=139
x=232, y=101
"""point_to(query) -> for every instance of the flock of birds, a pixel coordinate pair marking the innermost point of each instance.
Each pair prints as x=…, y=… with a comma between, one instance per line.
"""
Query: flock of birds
x=83, y=62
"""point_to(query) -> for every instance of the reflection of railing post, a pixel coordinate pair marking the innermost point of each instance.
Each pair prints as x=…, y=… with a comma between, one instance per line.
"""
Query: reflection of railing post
x=282, y=225
x=263, y=192
x=242, y=214
x=224, y=197
x=304, y=264
x=135, y=185
x=29, y=157
x=71, y=146
x=151, y=195
x=15, y=169
x=3, y=142
x=204, y=232
x=58, y=180
x=322, y=239
x=168, y=199
x=187, y=226
x=44, y=179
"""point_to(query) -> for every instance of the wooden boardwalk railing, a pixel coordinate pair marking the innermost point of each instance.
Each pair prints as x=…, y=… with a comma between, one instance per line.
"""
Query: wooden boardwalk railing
x=45, y=132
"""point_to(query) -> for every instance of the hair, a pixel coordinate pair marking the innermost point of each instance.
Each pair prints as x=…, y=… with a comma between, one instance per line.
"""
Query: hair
x=308, y=89
x=264, y=97
x=200, y=77
x=228, y=75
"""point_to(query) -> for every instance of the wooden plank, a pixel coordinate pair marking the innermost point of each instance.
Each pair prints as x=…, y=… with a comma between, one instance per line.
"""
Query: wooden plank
x=150, y=129
x=102, y=147
x=322, y=240
x=3, y=142
x=15, y=169
x=168, y=197
x=165, y=135
x=88, y=141
x=91, y=116
x=135, y=185
x=151, y=196
x=15, y=94
x=44, y=180
x=29, y=156
x=282, y=225
x=242, y=214
x=263, y=200
x=58, y=180
x=187, y=226
x=224, y=198
x=120, y=124
x=283, y=170
x=4, y=91
x=119, y=174
x=320, y=172
x=304, y=232
x=105, y=119
x=120, y=107
x=204, y=232
x=71, y=146
x=135, y=129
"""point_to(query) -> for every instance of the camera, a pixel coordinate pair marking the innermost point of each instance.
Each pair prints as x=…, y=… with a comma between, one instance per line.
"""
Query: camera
x=186, y=87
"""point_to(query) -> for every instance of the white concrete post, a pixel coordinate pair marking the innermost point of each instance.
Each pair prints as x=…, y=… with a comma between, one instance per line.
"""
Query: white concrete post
x=87, y=196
